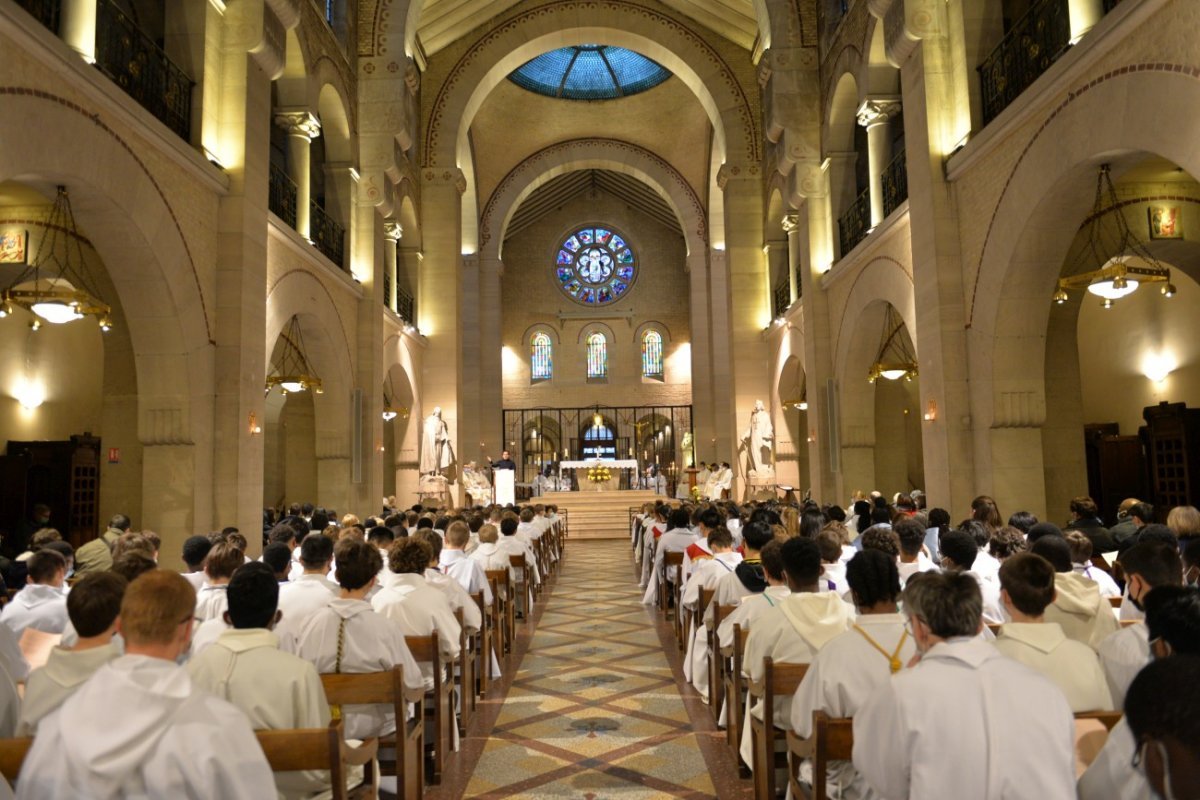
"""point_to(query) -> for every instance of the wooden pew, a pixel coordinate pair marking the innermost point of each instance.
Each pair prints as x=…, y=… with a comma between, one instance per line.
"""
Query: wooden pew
x=716, y=662
x=12, y=755
x=523, y=585
x=322, y=748
x=779, y=679
x=483, y=653
x=735, y=694
x=832, y=740
x=500, y=581
x=465, y=672
x=408, y=740
x=437, y=706
x=672, y=563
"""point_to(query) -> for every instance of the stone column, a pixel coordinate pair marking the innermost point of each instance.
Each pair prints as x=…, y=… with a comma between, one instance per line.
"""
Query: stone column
x=392, y=233
x=491, y=397
x=791, y=226
x=77, y=27
x=874, y=115
x=700, y=324
x=302, y=127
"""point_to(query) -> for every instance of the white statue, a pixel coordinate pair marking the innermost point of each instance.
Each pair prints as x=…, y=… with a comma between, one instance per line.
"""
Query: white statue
x=758, y=438
x=436, y=451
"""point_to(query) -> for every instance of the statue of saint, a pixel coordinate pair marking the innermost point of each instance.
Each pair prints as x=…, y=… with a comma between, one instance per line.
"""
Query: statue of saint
x=758, y=438
x=436, y=451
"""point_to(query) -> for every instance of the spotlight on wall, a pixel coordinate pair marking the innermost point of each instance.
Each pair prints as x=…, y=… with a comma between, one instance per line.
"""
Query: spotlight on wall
x=931, y=411
x=1157, y=366
x=30, y=395
x=252, y=425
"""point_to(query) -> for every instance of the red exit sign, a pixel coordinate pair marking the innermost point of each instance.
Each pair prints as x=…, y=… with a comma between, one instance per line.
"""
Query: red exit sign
x=114, y=455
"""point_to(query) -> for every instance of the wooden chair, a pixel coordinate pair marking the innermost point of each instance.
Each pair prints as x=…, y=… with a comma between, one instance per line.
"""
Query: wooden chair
x=408, y=740
x=1091, y=733
x=320, y=749
x=672, y=563
x=716, y=662
x=697, y=616
x=1115, y=602
x=779, y=680
x=483, y=653
x=832, y=740
x=12, y=756
x=438, y=707
x=523, y=585
x=1108, y=719
x=465, y=673
x=500, y=581
x=734, y=689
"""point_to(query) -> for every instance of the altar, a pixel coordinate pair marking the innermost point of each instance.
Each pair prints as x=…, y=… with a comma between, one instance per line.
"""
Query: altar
x=612, y=465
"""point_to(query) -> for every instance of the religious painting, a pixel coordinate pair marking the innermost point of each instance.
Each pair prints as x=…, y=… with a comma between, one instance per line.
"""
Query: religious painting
x=1165, y=222
x=14, y=244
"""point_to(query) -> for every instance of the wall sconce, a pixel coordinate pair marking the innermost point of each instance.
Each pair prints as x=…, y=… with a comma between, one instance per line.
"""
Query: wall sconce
x=1157, y=367
x=931, y=411
x=30, y=395
x=253, y=426
x=812, y=436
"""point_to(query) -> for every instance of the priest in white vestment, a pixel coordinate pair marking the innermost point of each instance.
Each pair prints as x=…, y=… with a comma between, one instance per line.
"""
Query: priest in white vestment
x=796, y=629
x=274, y=689
x=853, y=664
x=41, y=604
x=1027, y=588
x=348, y=636
x=94, y=603
x=139, y=727
x=964, y=721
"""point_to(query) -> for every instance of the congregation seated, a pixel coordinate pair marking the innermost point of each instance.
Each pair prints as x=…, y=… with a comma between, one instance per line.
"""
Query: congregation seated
x=455, y=594
x=1162, y=713
x=93, y=605
x=219, y=565
x=1026, y=588
x=244, y=666
x=1084, y=614
x=278, y=556
x=509, y=545
x=171, y=738
x=41, y=604
x=774, y=588
x=348, y=636
x=911, y=536
x=959, y=552
x=722, y=561
x=850, y=666
x=704, y=522
x=678, y=537
x=303, y=596
x=455, y=563
x=96, y=555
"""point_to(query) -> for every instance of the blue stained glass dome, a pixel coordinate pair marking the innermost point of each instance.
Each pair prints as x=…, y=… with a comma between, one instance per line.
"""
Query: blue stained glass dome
x=589, y=72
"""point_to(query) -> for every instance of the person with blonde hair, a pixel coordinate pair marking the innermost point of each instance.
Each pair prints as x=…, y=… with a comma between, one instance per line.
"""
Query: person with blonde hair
x=169, y=738
x=1184, y=522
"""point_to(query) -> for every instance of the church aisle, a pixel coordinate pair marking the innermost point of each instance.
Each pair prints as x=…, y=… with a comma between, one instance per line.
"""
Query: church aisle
x=594, y=710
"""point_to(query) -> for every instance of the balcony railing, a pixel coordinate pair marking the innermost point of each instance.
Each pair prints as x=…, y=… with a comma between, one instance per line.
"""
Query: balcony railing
x=781, y=298
x=281, y=196
x=387, y=289
x=406, y=306
x=46, y=12
x=1026, y=51
x=135, y=63
x=895, y=183
x=855, y=223
x=327, y=235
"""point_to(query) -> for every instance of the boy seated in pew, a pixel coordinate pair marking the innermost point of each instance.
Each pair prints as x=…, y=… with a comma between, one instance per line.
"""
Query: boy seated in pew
x=139, y=727
x=1084, y=614
x=94, y=605
x=1026, y=590
x=755, y=605
x=452, y=589
x=706, y=574
x=41, y=604
x=454, y=562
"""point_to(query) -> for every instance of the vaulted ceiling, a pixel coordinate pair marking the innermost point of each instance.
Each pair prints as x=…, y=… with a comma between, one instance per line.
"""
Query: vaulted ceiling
x=445, y=21
x=590, y=182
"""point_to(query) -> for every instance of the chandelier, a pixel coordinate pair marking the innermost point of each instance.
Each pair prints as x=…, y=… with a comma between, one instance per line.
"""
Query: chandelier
x=895, y=359
x=292, y=373
x=56, y=288
x=1111, y=277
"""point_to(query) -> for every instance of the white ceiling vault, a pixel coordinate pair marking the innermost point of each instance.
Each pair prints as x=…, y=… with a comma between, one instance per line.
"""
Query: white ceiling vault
x=443, y=22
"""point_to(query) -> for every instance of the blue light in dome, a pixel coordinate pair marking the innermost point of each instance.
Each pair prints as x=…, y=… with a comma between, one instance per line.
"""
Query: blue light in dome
x=589, y=72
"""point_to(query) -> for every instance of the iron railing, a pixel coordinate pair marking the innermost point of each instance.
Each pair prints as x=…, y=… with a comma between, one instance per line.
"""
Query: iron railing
x=327, y=235
x=46, y=12
x=895, y=183
x=387, y=288
x=139, y=66
x=1026, y=51
x=281, y=196
x=855, y=223
x=406, y=306
x=781, y=298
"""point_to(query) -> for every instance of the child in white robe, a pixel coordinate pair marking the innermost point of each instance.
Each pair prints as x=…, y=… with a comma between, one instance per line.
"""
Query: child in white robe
x=955, y=723
x=94, y=605
x=1084, y=614
x=705, y=575
x=274, y=689
x=312, y=590
x=139, y=727
x=959, y=551
x=454, y=562
x=678, y=538
x=219, y=566
x=848, y=669
x=455, y=593
x=41, y=604
x=1081, y=564
x=1026, y=589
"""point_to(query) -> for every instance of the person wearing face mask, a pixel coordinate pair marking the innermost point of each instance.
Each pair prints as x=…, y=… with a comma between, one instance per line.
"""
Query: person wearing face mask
x=957, y=720
x=1124, y=653
x=1164, y=717
x=1137, y=759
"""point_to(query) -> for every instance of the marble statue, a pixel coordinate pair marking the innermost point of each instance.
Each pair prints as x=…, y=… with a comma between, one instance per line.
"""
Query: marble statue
x=758, y=438
x=436, y=451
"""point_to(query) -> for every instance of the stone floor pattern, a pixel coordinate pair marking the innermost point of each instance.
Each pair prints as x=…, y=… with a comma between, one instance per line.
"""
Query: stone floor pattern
x=594, y=710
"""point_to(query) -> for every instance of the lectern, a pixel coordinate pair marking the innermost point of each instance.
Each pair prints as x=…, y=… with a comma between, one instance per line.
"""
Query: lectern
x=505, y=483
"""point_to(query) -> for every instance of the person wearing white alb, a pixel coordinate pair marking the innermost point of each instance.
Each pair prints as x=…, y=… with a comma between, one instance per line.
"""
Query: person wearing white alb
x=454, y=561
x=795, y=630
x=677, y=539
x=169, y=739
x=1026, y=589
x=955, y=722
x=348, y=636
x=472, y=616
x=41, y=604
x=705, y=576
x=1081, y=564
x=850, y=667
x=1084, y=614
x=299, y=599
x=219, y=565
x=959, y=552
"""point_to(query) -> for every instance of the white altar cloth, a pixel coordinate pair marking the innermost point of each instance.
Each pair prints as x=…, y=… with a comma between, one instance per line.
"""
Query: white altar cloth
x=626, y=463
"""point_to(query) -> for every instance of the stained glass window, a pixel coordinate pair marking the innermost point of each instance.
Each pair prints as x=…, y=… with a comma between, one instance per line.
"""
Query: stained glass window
x=652, y=355
x=597, y=356
x=540, y=357
x=595, y=266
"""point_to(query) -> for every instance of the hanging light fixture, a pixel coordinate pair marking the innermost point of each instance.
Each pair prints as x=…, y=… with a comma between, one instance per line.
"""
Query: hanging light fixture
x=55, y=286
x=292, y=373
x=390, y=412
x=1108, y=266
x=895, y=359
x=799, y=403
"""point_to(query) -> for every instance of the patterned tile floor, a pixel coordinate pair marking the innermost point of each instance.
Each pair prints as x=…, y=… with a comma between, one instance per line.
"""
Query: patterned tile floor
x=594, y=709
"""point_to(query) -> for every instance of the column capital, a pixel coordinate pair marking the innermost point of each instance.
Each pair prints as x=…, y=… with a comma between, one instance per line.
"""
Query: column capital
x=878, y=110
x=298, y=122
x=791, y=222
x=392, y=231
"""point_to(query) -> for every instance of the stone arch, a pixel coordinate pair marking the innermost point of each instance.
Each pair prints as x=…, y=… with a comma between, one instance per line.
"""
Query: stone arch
x=878, y=75
x=596, y=327
x=579, y=154
x=292, y=85
x=651, y=325
x=1022, y=256
x=512, y=42
x=333, y=108
x=401, y=373
x=541, y=327
x=842, y=106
